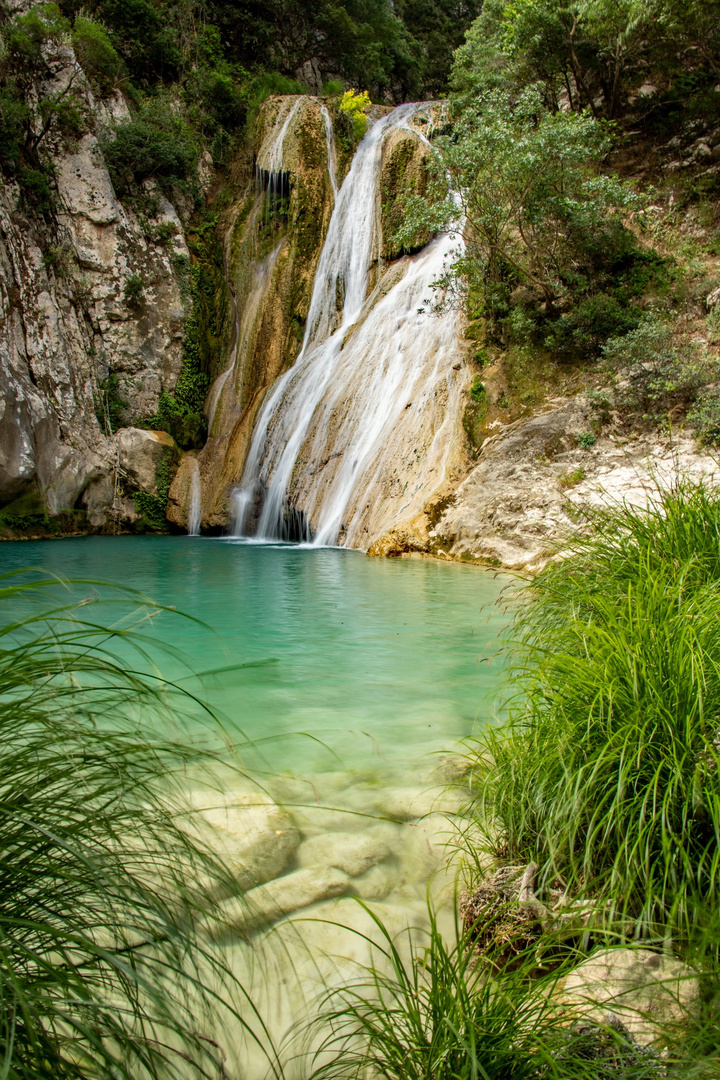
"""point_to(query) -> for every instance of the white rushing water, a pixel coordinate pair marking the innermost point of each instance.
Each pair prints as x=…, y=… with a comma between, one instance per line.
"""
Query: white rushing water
x=357, y=434
x=195, y=508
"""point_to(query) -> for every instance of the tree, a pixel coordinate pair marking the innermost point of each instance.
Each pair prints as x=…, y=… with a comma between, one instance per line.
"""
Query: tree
x=526, y=193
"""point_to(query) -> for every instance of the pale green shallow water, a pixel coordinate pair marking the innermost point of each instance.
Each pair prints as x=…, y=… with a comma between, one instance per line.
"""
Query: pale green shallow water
x=384, y=661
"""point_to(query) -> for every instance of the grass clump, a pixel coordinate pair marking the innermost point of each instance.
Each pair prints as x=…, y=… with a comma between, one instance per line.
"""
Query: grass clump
x=606, y=773
x=101, y=971
x=436, y=1013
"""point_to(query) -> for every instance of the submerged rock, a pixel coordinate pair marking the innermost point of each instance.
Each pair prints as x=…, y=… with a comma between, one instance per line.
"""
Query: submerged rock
x=252, y=835
x=270, y=902
x=354, y=853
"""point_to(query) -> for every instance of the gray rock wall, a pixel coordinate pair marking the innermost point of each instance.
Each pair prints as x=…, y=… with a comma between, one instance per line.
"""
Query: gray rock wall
x=65, y=320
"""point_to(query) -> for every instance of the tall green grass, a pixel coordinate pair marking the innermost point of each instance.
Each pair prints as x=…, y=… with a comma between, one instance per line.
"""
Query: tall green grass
x=439, y=1013
x=101, y=971
x=607, y=773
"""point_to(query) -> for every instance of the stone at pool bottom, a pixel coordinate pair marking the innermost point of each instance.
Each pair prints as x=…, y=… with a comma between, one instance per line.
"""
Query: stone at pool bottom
x=289, y=971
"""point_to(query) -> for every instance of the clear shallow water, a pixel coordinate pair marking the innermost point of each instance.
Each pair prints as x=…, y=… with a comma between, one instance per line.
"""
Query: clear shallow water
x=355, y=663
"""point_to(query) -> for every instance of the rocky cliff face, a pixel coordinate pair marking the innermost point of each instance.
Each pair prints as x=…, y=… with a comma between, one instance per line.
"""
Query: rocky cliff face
x=91, y=307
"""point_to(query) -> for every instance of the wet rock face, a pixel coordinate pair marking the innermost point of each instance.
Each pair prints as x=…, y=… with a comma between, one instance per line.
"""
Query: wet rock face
x=404, y=172
x=273, y=236
x=84, y=292
x=533, y=483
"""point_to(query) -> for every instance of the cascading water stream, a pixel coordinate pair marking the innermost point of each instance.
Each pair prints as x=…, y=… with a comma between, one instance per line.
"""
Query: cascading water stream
x=336, y=449
x=195, y=509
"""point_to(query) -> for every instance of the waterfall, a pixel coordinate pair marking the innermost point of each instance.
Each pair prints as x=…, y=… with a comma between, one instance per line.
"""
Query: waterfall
x=358, y=433
x=246, y=329
x=195, y=508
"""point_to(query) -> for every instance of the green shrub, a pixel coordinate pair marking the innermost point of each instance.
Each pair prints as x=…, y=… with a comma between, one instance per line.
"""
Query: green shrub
x=606, y=773
x=585, y=440
x=153, y=508
x=266, y=85
x=110, y=404
x=35, y=189
x=26, y=512
x=14, y=116
x=134, y=291
x=332, y=88
x=705, y=417
x=587, y=326
x=353, y=107
x=27, y=33
x=659, y=372
x=96, y=54
x=144, y=38
x=477, y=390
x=156, y=143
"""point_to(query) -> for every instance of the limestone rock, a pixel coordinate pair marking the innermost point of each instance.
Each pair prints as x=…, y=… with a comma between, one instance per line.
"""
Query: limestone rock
x=427, y=846
x=282, y=896
x=403, y=172
x=399, y=541
x=644, y=989
x=141, y=452
x=252, y=835
x=65, y=323
x=376, y=883
x=352, y=852
x=526, y=495
x=407, y=804
x=712, y=299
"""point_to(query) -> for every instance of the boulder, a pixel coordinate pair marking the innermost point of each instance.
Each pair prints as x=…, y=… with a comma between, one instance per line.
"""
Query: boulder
x=408, y=804
x=647, y=991
x=252, y=835
x=377, y=883
x=267, y=903
x=140, y=453
x=352, y=852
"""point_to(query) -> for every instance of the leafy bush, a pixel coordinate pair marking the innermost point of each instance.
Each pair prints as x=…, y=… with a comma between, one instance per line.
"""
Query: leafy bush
x=588, y=325
x=110, y=404
x=144, y=38
x=25, y=512
x=98, y=58
x=705, y=417
x=156, y=143
x=537, y=213
x=332, y=88
x=134, y=291
x=353, y=107
x=585, y=440
x=28, y=33
x=14, y=116
x=35, y=189
x=606, y=773
x=477, y=390
x=153, y=508
x=658, y=372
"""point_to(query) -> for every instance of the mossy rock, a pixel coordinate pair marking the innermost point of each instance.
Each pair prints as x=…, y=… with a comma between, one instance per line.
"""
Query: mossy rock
x=404, y=172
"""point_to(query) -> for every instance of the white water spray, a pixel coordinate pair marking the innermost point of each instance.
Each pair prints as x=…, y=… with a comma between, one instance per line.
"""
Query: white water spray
x=195, y=510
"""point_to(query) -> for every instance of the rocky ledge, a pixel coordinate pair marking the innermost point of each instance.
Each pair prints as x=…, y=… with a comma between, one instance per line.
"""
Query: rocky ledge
x=534, y=482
